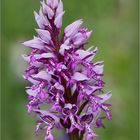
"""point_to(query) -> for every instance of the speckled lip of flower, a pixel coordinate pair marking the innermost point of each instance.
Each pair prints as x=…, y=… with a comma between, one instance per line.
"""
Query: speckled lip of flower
x=63, y=77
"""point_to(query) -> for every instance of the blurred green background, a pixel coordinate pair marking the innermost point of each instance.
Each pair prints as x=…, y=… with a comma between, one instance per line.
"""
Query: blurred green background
x=115, y=32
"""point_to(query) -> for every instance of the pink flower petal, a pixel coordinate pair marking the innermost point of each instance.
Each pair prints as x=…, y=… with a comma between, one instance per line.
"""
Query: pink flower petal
x=58, y=20
x=43, y=75
x=98, y=69
x=34, y=43
x=105, y=97
x=44, y=35
x=72, y=29
x=79, y=77
x=32, y=92
x=47, y=10
x=59, y=8
x=63, y=48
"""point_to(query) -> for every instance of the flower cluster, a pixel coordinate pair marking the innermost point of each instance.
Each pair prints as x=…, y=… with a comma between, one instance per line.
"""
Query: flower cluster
x=66, y=89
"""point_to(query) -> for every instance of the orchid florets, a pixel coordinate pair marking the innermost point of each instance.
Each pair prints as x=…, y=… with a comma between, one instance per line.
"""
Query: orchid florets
x=63, y=77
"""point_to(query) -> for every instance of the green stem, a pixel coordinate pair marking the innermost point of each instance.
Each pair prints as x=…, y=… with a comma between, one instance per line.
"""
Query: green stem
x=74, y=136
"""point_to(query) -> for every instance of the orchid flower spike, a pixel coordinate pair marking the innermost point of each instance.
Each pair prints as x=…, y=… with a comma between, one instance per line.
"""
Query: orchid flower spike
x=63, y=76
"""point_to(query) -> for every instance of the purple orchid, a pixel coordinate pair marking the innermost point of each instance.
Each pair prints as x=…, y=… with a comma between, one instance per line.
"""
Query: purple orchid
x=63, y=77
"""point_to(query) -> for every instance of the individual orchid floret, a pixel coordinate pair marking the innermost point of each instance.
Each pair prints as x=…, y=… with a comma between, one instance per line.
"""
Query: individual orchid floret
x=66, y=86
x=73, y=28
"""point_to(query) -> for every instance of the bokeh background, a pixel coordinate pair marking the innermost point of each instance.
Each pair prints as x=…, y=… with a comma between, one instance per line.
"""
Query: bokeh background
x=115, y=33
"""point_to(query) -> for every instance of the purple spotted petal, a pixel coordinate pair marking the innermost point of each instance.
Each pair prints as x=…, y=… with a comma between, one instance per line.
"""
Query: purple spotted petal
x=63, y=48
